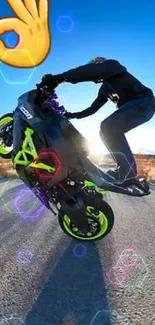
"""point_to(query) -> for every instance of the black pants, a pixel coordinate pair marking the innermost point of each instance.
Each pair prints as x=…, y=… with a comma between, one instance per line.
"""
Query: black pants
x=113, y=128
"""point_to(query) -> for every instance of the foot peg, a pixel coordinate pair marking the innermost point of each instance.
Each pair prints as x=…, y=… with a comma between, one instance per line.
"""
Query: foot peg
x=137, y=186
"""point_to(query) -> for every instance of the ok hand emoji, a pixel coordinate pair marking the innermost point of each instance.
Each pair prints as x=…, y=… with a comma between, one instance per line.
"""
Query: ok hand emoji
x=31, y=24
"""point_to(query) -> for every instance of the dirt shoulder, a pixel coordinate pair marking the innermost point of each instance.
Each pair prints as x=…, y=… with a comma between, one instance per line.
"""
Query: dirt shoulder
x=145, y=165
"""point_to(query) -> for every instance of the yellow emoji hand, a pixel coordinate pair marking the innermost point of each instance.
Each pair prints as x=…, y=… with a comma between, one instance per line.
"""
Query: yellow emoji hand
x=31, y=24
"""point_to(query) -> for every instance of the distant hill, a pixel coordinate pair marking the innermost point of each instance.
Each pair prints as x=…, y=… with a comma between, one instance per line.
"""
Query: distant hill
x=146, y=155
x=145, y=164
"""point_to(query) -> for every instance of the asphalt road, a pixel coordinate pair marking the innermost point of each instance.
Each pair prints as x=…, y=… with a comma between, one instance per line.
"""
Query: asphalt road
x=46, y=278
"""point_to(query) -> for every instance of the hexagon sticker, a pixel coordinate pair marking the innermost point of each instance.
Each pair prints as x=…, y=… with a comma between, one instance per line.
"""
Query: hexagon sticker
x=136, y=274
x=14, y=190
x=21, y=202
x=130, y=270
x=65, y=24
x=11, y=39
x=110, y=316
x=12, y=320
x=8, y=72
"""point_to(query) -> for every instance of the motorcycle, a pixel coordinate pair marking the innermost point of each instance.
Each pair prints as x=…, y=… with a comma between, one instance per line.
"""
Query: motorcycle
x=51, y=157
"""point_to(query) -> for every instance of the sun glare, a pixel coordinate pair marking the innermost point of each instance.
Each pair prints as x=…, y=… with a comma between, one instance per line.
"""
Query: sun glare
x=96, y=147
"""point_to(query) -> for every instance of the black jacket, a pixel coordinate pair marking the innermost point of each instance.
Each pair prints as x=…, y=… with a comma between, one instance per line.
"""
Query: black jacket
x=122, y=82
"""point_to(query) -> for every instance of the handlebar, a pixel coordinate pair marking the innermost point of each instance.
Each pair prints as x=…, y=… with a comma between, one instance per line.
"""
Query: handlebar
x=47, y=98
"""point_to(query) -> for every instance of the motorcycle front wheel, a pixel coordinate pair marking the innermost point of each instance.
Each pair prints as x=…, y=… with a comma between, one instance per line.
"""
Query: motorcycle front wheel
x=100, y=220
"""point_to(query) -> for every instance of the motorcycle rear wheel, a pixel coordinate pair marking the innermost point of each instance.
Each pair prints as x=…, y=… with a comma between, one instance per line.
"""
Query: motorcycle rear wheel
x=100, y=223
x=5, y=152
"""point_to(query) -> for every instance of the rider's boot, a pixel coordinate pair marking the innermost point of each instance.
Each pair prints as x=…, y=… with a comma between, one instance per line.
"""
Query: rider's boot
x=114, y=173
x=119, y=175
x=130, y=179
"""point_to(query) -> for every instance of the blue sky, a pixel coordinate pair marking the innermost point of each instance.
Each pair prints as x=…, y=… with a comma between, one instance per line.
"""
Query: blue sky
x=123, y=30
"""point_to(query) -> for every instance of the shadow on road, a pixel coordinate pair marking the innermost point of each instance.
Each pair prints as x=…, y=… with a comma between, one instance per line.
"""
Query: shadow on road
x=74, y=292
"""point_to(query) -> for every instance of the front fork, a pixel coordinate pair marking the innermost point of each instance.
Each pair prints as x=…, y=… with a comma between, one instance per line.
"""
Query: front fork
x=77, y=210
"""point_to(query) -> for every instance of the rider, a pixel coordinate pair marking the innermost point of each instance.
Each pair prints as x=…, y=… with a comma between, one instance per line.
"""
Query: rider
x=135, y=103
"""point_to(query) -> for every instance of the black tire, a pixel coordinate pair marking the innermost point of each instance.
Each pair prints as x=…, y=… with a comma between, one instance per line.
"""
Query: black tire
x=8, y=154
x=103, y=207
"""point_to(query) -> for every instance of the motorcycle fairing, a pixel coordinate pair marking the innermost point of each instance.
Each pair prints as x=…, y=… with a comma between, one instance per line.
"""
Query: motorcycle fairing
x=28, y=147
x=42, y=133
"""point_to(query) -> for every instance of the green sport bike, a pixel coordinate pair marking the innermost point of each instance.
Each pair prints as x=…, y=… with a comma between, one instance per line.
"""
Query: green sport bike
x=51, y=157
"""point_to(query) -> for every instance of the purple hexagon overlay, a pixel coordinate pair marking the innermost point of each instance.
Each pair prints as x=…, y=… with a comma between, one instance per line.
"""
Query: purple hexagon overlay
x=79, y=250
x=24, y=256
x=23, y=215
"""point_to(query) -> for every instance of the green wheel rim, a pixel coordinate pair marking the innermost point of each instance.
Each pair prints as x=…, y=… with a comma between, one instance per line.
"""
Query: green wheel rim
x=3, y=121
x=103, y=222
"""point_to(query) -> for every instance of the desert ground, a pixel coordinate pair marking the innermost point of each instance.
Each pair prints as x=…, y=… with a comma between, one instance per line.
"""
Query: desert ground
x=145, y=164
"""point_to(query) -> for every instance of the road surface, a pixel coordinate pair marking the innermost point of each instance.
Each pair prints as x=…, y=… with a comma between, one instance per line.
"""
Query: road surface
x=46, y=278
